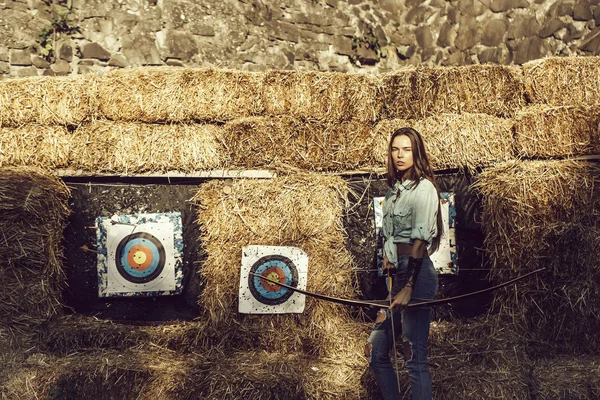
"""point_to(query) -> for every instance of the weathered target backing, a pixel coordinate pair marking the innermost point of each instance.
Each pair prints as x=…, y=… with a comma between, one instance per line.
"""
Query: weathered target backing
x=139, y=255
x=287, y=265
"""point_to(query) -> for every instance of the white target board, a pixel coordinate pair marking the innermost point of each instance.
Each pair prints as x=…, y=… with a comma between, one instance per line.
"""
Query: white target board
x=287, y=265
x=139, y=255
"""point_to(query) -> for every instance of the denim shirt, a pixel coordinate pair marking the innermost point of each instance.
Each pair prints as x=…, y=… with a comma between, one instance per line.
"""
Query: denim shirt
x=409, y=213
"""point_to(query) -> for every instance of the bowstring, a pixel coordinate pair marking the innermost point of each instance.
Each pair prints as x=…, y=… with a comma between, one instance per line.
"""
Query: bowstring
x=394, y=349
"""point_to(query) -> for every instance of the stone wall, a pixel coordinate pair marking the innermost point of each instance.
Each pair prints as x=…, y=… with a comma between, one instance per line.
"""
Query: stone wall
x=62, y=37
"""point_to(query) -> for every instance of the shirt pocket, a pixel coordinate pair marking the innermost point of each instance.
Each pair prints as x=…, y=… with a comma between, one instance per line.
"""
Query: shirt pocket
x=401, y=219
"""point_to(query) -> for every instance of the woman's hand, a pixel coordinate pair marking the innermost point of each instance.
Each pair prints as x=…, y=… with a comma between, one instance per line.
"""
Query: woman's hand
x=402, y=298
x=386, y=265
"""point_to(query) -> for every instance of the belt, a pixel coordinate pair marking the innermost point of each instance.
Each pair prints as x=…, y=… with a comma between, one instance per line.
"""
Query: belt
x=403, y=249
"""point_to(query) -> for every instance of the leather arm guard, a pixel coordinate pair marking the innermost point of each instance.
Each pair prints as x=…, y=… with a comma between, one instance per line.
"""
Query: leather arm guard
x=413, y=269
x=402, y=279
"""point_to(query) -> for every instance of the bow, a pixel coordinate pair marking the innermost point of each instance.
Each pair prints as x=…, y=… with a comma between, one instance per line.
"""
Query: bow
x=385, y=303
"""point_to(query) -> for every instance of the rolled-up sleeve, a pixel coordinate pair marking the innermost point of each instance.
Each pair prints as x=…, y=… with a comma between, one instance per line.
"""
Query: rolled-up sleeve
x=424, y=215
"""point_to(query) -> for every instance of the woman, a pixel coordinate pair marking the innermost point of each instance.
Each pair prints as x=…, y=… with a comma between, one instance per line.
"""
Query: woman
x=412, y=225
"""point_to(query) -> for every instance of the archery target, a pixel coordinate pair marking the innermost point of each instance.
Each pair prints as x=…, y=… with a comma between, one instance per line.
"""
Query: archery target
x=139, y=255
x=287, y=265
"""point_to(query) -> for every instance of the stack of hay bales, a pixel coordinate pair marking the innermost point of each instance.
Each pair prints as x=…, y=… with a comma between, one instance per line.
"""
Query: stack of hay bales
x=33, y=213
x=464, y=113
x=307, y=125
x=545, y=213
x=305, y=211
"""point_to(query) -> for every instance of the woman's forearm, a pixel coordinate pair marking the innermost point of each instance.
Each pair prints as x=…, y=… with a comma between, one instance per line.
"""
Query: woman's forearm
x=419, y=248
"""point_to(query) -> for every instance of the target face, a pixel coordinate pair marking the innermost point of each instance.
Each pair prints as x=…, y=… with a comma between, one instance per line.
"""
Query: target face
x=140, y=255
x=275, y=268
x=286, y=265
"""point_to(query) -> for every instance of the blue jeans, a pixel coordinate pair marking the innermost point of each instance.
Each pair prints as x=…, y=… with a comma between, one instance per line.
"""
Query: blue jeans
x=413, y=323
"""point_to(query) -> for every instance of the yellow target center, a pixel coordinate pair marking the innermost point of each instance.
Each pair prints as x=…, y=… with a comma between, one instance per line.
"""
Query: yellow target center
x=274, y=277
x=139, y=257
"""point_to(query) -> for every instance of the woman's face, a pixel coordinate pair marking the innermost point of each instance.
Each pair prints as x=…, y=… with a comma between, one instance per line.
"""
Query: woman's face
x=402, y=155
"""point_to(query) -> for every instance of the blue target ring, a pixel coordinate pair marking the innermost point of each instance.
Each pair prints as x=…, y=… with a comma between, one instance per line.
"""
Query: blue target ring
x=278, y=268
x=140, y=257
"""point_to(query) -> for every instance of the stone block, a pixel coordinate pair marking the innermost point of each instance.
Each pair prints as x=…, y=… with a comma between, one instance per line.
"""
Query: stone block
x=528, y=49
x=447, y=35
x=180, y=45
x=379, y=33
x=505, y=5
x=307, y=34
x=597, y=15
x=418, y=15
x=124, y=22
x=494, y=56
x=471, y=8
x=342, y=45
x=65, y=52
x=582, y=11
x=88, y=62
x=591, y=43
x=285, y=31
x=61, y=67
x=523, y=26
x=140, y=49
x=20, y=57
x=562, y=8
x=493, y=33
x=468, y=35
x=40, y=62
x=48, y=72
x=4, y=67
x=366, y=56
x=573, y=33
x=4, y=54
x=550, y=27
x=118, y=60
x=202, y=30
x=173, y=62
x=94, y=50
x=424, y=37
x=26, y=71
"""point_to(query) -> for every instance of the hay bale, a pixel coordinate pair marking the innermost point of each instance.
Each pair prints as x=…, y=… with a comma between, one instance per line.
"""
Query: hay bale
x=275, y=375
x=477, y=360
x=98, y=375
x=72, y=333
x=128, y=147
x=543, y=131
x=41, y=146
x=551, y=81
x=545, y=214
x=33, y=212
x=327, y=96
x=283, y=142
x=563, y=377
x=464, y=141
x=47, y=100
x=173, y=94
x=303, y=211
x=163, y=375
x=418, y=93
